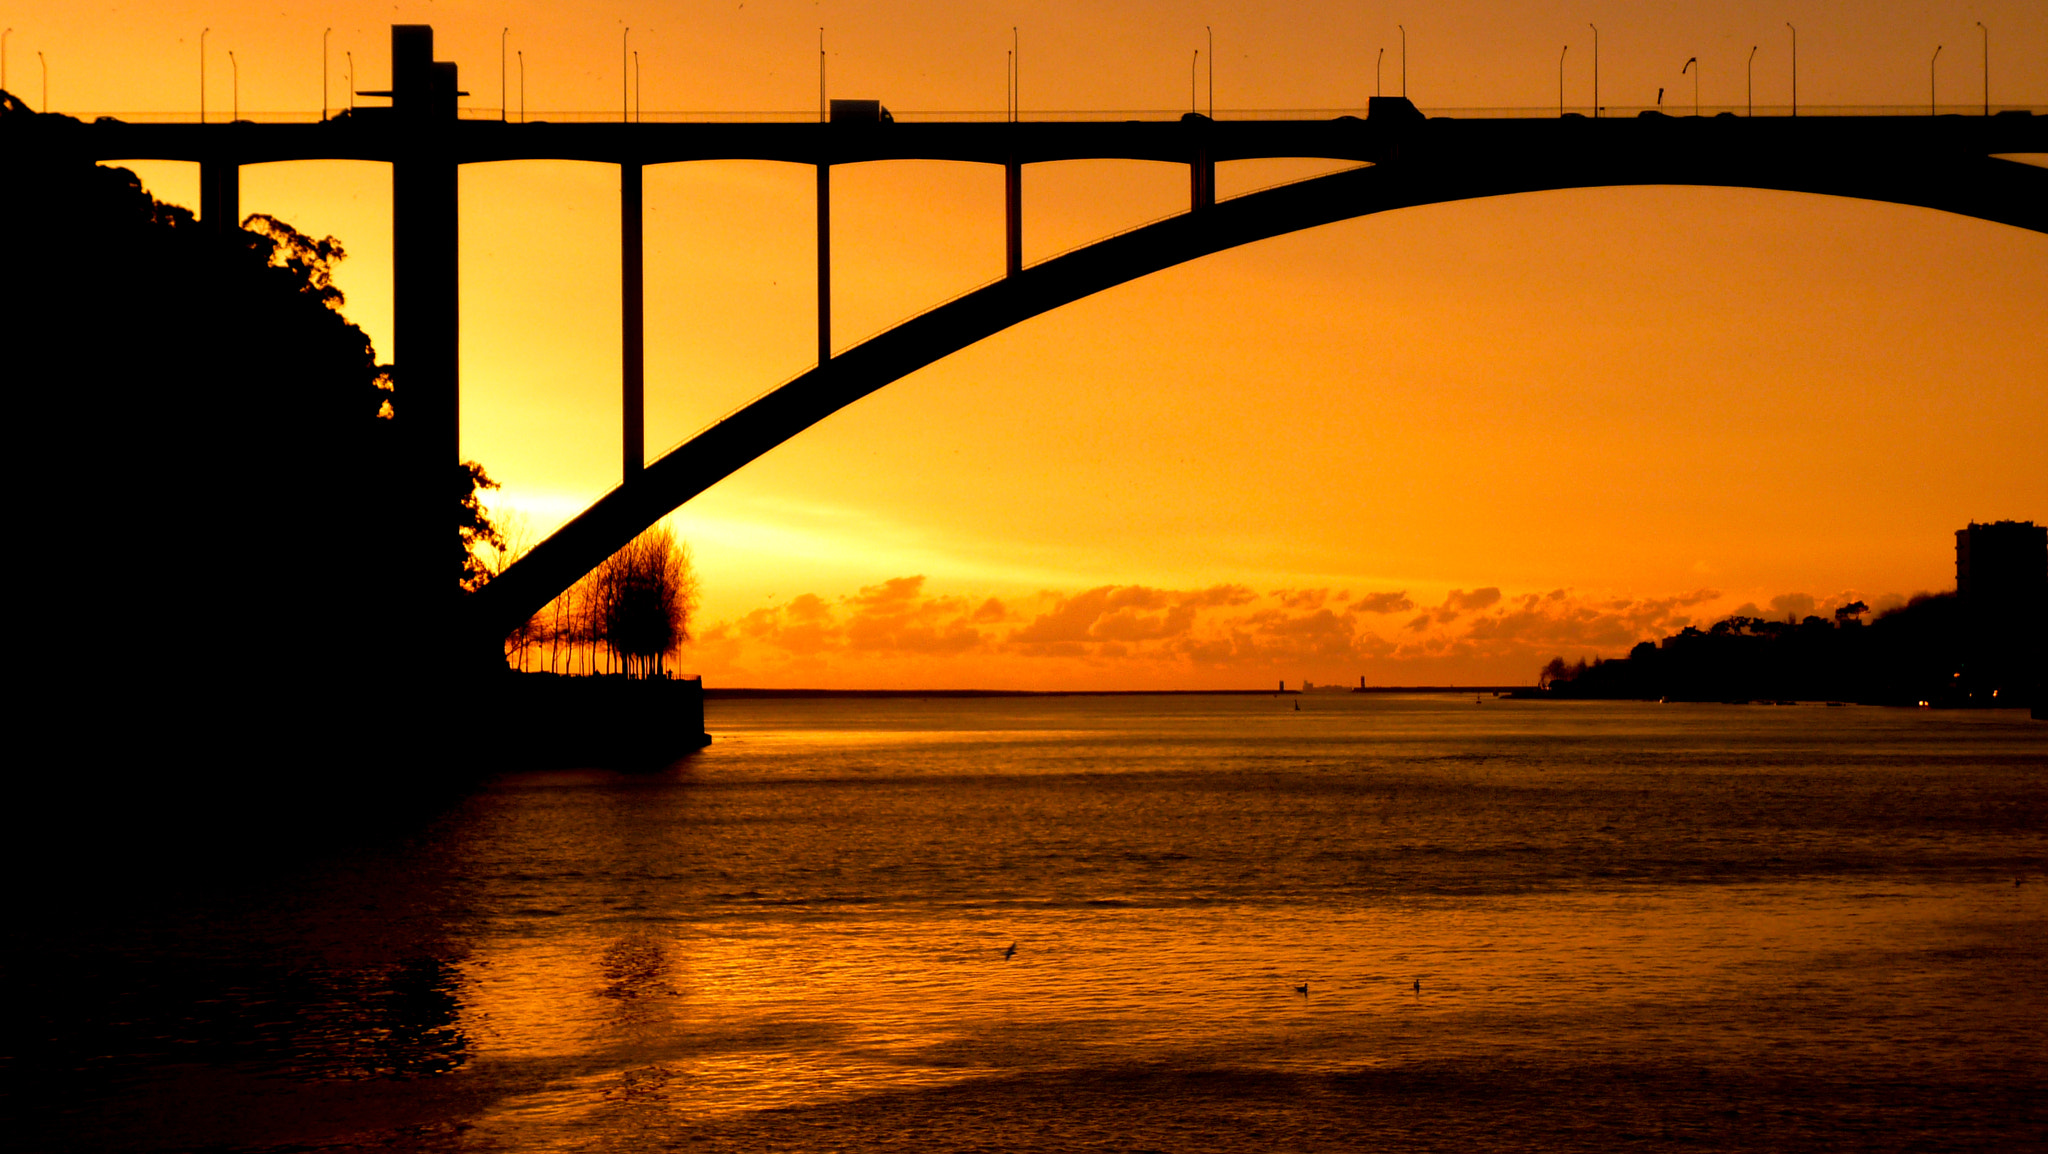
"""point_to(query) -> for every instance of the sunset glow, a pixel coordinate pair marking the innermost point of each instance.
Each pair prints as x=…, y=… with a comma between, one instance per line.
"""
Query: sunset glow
x=1431, y=446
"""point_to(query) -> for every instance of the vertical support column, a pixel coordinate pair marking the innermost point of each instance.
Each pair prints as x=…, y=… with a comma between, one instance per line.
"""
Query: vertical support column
x=632, y=312
x=220, y=195
x=824, y=263
x=1013, y=210
x=426, y=311
x=1201, y=180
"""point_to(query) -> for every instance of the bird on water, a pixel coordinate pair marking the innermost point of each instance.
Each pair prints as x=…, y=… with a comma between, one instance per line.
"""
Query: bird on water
x=1418, y=985
x=1302, y=989
x=1011, y=952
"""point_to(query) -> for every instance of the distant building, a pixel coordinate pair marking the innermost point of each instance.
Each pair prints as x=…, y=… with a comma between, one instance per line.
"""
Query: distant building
x=2003, y=565
x=2002, y=583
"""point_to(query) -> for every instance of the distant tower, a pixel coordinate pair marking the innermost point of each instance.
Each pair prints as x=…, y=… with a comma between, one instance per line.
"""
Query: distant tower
x=2002, y=582
x=2002, y=563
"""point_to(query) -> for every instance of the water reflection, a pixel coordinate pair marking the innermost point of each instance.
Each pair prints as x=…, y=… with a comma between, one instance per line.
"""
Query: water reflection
x=1629, y=926
x=410, y=1022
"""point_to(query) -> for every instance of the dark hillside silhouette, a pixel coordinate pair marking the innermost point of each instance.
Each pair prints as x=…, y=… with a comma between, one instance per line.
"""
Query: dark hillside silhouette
x=1986, y=644
x=204, y=448
x=1920, y=653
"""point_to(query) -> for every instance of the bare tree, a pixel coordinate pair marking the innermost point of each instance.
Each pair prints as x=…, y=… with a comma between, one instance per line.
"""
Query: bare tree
x=641, y=600
x=515, y=537
x=630, y=614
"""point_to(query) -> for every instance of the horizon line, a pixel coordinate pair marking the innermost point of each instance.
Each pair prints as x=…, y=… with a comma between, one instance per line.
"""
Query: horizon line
x=751, y=692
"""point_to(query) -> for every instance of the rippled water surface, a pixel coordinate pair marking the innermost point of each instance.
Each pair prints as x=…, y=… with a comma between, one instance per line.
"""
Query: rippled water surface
x=1520, y=925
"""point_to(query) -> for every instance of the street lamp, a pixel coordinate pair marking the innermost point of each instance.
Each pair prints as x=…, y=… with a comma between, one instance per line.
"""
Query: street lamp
x=636, y=86
x=1930, y=79
x=1560, y=79
x=1987, y=66
x=234, y=88
x=1404, y=60
x=522, y=86
x=323, y=74
x=46, y=80
x=1692, y=65
x=202, y=74
x=1596, y=72
x=1194, y=78
x=1749, y=79
x=625, y=76
x=3, y=58
x=501, y=74
x=1212, y=70
x=351, y=80
x=1795, y=68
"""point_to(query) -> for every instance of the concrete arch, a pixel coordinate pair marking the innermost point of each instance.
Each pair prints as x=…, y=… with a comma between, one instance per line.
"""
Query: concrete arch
x=2004, y=191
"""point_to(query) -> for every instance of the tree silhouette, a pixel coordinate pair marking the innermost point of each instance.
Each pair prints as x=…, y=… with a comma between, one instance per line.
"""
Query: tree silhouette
x=473, y=526
x=644, y=596
x=192, y=411
x=633, y=610
x=199, y=389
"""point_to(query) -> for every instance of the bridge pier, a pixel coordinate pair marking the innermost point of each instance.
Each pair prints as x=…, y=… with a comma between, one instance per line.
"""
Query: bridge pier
x=1013, y=216
x=824, y=263
x=633, y=315
x=220, y=194
x=426, y=318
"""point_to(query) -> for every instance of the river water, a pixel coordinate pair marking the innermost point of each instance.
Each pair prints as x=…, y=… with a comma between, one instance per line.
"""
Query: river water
x=1521, y=925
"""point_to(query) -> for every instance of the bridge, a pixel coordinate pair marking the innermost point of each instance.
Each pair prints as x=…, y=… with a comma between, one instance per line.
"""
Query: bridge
x=1402, y=159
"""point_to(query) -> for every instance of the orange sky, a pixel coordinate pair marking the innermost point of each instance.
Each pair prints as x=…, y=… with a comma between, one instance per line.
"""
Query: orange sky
x=1434, y=445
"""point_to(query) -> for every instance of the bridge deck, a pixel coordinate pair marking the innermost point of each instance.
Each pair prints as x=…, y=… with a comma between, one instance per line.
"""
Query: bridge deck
x=377, y=135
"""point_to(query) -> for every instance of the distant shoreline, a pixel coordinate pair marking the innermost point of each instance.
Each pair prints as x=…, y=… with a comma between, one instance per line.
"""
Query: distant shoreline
x=712, y=694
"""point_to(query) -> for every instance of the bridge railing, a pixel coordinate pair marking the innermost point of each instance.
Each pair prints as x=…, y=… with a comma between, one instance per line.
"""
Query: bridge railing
x=1085, y=115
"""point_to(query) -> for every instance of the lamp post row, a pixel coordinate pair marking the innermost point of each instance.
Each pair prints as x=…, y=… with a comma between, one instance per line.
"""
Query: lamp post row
x=629, y=79
x=1692, y=65
x=326, y=86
